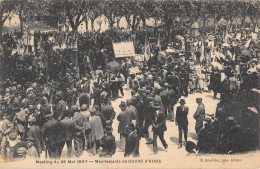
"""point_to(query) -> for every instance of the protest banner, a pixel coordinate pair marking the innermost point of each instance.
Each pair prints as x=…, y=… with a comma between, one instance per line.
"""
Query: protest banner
x=124, y=49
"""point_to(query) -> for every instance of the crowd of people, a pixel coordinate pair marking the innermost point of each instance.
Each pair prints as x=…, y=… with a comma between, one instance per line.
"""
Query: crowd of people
x=49, y=99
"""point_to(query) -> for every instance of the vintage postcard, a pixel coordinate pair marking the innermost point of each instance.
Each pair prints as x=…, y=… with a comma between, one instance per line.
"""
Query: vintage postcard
x=129, y=84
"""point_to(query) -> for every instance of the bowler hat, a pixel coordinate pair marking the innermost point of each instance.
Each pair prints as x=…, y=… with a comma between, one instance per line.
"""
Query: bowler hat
x=208, y=120
x=48, y=116
x=123, y=105
x=199, y=99
x=130, y=101
x=109, y=129
x=156, y=105
x=140, y=90
x=75, y=108
x=150, y=97
x=12, y=136
x=30, y=138
x=182, y=101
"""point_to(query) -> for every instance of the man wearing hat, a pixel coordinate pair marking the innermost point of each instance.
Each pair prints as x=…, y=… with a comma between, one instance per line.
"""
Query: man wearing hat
x=182, y=120
x=135, y=86
x=60, y=107
x=114, y=86
x=35, y=133
x=85, y=84
x=79, y=125
x=184, y=81
x=172, y=100
x=165, y=100
x=140, y=108
x=44, y=110
x=215, y=82
x=132, y=110
x=124, y=118
x=50, y=132
x=148, y=113
x=67, y=131
x=199, y=115
x=109, y=143
x=158, y=99
x=108, y=112
x=21, y=123
x=84, y=98
x=99, y=70
x=159, y=127
x=96, y=95
x=120, y=83
x=97, y=131
x=101, y=115
x=31, y=149
x=84, y=111
x=7, y=129
x=132, y=142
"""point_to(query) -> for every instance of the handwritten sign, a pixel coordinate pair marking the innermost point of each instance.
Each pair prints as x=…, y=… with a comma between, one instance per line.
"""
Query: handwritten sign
x=124, y=49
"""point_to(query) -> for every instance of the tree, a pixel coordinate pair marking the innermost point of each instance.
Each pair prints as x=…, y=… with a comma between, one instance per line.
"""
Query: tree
x=93, y=11
x=73, y=10
x=146, y=10
x=215, y=11
x=254, y=11
x=112, y=11
x=169, y=11
x=132, y=10
x=29, y=10
x=6, y=8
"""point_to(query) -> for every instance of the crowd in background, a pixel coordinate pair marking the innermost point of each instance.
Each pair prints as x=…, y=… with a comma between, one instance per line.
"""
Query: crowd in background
x=50, y=99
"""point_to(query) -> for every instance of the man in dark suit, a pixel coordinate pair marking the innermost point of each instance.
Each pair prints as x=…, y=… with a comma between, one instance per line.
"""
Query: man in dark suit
x=108, y=112
x=79, y=125
x=35, y=133
x=182, y=121
x=109, y=143
x=172, y=100
x=50, y=134
x=84, y=98
x=184, y=81
x=159, y=127
x=96, y=94
x=45, y=109
x=132, y=142
x=164, y=98
x=60, y=107
x=124, y=118
x=67, y=130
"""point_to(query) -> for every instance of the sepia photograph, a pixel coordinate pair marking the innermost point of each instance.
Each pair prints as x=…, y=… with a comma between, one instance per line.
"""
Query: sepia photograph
x=129, y=84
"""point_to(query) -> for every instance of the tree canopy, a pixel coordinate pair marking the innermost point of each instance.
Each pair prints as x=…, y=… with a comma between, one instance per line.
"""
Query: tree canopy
x=171, y=13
